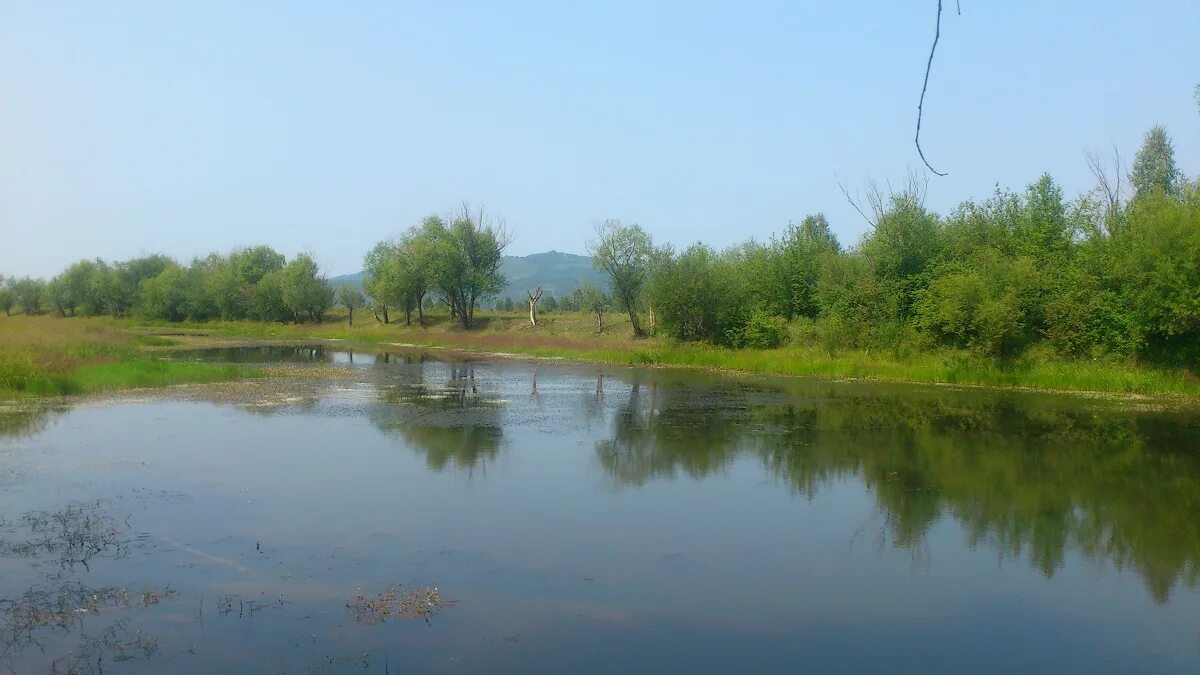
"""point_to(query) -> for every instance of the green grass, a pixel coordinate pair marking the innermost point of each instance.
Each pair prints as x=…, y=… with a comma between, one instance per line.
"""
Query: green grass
x=56, y=356
x=44, y=356
x=135, y=372
x=572, y=336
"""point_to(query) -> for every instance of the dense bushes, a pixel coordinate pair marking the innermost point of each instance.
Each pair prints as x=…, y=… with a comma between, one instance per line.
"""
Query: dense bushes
x=1081, y=279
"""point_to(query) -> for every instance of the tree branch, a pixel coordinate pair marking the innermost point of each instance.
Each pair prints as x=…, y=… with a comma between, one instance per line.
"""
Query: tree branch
x=937, y=34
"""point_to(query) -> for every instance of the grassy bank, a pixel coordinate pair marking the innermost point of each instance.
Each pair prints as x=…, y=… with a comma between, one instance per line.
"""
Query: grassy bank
x=573, y=336
x=43, y=356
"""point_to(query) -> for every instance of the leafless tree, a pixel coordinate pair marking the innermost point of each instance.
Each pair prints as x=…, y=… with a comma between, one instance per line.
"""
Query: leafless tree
x=876, y=199
x=1108, y=184
x=534, y=297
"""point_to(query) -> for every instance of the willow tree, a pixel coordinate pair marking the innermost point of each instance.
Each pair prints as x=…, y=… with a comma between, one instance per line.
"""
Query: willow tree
x=464, y=260
x=623, y=252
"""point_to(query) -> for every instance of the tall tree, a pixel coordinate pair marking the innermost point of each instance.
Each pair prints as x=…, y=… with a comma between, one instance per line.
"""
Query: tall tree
x=1154, y=166
x=623, y=252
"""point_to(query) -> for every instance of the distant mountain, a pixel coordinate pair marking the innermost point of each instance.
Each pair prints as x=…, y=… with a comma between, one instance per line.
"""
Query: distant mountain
x=557, y=273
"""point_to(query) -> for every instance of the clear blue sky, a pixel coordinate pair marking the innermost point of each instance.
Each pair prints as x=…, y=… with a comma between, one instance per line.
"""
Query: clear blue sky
x=128, y=128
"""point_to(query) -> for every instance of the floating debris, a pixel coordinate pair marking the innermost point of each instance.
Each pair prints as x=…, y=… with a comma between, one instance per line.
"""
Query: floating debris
x=420, y=603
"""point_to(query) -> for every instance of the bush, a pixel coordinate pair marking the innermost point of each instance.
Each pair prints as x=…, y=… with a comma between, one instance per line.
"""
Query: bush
x=762, y=331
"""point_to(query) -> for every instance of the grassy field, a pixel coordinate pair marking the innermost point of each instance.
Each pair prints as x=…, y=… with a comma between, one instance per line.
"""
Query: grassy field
x=573, y=335
x=44, y=356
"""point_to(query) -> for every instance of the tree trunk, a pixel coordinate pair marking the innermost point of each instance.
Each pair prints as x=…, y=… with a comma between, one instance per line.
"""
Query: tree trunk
x=421, y=310
x=637, y=327
x=385, y=314
x=600, y=322
x=534, y=297
x=350, y=316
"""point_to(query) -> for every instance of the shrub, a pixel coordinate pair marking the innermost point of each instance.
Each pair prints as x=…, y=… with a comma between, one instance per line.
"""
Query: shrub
x=762, y=331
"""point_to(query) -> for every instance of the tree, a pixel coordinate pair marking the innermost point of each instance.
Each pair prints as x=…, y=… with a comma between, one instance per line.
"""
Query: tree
x=534, y=297
x=623, y=252
x=7, y=298
x=592, y=299
x=164, y=296
x=464, y=260
x=305, y=290
x=350, y=298
x=30, y=294
x=1157, y=265
x=1154, y=165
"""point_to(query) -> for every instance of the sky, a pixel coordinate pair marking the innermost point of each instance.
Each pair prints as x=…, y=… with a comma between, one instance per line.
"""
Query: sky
x=188, y=127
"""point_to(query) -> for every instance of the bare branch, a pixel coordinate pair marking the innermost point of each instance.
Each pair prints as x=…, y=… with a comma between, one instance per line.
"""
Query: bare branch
x=937, y=34
x=854, y=202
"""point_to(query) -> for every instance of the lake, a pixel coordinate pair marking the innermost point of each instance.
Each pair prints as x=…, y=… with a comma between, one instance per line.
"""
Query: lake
x=421, y=513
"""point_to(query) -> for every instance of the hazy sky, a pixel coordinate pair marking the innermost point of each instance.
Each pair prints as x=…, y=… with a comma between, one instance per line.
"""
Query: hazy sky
x=128, y=128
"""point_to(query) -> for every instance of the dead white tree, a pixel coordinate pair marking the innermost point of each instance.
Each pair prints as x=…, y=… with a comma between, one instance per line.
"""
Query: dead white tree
x=534, y=298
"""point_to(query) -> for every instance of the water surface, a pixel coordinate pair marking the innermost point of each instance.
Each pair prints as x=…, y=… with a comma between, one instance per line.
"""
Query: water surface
x=591, y=519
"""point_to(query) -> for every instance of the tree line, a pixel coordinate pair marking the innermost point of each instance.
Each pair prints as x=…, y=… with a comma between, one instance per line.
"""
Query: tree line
x=255, y=283
x=1114, y=272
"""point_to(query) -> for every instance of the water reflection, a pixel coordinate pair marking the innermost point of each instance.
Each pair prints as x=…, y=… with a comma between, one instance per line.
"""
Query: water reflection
x=1023, y=475
x=27, y=420
x=651, y=511
x=456, y=424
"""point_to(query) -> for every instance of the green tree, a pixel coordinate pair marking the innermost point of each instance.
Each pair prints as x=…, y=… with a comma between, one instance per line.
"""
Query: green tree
x=591, y=298
x=7, y=298
x=464, y=261
x=623, y=252
x=785, y=272
x=1154, y=165
x=350, y=298
x=700, y=295
x=164, y=296
x=266, y=299
x=1158, y=271
x=305, y=290
x=30, y=294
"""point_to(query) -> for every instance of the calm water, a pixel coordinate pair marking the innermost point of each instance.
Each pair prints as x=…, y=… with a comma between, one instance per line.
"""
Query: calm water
x=579, y=519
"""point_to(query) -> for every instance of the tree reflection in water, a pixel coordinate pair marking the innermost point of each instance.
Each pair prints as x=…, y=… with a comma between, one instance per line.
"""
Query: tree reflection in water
x=457, y=425
x=1028, y=476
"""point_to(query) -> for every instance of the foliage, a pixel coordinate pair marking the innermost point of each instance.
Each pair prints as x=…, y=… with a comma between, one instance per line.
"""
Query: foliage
x=305, y=290
x=351, y=298
x=623, y=252
x=463, y=260
x=1154, y=166
x=762, y=331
